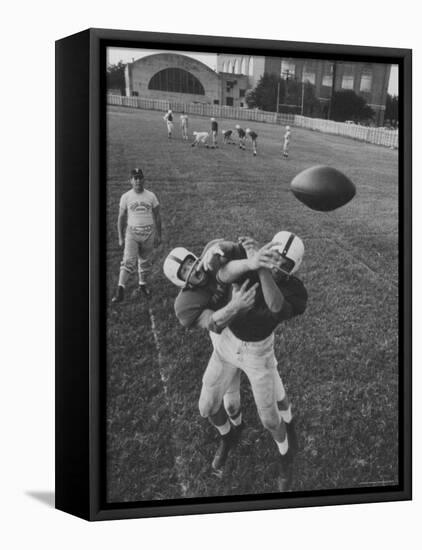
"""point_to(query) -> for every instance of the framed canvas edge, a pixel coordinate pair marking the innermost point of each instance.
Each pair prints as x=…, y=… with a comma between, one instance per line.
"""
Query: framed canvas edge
x=97, y=509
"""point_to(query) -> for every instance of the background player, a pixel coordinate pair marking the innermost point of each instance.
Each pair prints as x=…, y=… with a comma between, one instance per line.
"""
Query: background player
x=141, y=210
x=227, y=136
x=286, y=142
x=214, y=132
x=200, y=137
x=254, y=137
x=168, y=117
x=242, y=136
x=184, y=122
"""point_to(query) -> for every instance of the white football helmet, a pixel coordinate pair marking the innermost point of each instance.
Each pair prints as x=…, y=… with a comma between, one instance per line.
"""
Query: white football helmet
x=248, y=130
x=288, y=128
x=291, y=248
x=173, y=263
x=237, y=126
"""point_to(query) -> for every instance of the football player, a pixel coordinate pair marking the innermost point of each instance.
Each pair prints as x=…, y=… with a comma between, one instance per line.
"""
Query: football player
x=243, y=341
x=184, y=122
x=286, y=142
x=200, y=137
x=168, y=118
x=242, y=136
x=214, y=132
x=227, y=136
x=254, y=137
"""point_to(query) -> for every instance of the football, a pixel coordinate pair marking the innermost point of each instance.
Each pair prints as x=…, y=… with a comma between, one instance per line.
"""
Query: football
x=322, y=188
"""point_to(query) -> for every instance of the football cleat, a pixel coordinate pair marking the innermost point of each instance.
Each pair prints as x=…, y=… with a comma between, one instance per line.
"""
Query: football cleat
x=284, y=474
x=119, y=296
x=292, y=435
x=227, y=441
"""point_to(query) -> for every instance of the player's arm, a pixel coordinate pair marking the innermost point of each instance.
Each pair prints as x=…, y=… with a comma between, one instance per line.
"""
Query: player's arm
x=157, y=221
x=121, y=222
x=241, y=301
x=272, y=294
x=256, y=258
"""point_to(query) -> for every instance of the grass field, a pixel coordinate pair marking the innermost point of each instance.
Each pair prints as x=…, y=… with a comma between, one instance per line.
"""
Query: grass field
x=338, y=361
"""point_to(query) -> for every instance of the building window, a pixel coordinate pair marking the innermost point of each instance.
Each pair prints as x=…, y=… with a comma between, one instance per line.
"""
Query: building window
x=135, y=94
x=176, y=80
x=216, y=102
x=327, y=77
x=288, y=68
x=366, y=81
x=308, y=76
x=251, y=66
x=241, y=104
x=243, y=68
x=347, y=82
x=229, y=101
x=242, y=93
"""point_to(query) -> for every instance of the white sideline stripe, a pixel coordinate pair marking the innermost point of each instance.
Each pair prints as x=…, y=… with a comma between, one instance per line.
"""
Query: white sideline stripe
x=164, y=380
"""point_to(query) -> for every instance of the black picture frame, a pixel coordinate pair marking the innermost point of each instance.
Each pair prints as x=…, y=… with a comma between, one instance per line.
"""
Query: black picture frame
x=80, y=284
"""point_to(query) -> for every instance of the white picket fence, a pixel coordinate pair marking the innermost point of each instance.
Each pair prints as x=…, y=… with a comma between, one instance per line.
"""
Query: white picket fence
x=201, y=109
x=377, y=136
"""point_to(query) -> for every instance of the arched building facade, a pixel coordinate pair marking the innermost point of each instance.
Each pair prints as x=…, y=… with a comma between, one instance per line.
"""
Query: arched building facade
x=179, y=78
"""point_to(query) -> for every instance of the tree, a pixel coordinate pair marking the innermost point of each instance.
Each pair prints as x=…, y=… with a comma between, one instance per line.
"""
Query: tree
x=347, y=105
x=116, y=77
x=264, y=96
x=392, y=110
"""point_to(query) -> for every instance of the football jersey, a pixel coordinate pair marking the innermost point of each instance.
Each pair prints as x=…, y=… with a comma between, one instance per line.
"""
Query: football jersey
x=138, y=207
x=214, y=126
x=253, y=135
x=259, y=322
x=191, y=302
x=241, y=132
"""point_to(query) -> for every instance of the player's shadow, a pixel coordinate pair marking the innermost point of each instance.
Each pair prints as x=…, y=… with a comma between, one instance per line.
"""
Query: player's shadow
x=45, y=497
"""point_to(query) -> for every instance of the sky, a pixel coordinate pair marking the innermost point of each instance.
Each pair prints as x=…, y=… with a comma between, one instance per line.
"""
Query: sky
x=114, y=55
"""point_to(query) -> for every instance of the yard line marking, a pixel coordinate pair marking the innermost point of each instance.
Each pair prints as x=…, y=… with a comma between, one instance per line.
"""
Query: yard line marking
x=164, y=379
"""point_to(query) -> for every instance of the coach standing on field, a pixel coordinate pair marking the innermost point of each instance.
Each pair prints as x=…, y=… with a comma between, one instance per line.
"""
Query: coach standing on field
x=143, y=232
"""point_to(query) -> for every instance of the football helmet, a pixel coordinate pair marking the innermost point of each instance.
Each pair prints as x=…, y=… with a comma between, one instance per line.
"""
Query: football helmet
x=173, y=263
x=291, y=248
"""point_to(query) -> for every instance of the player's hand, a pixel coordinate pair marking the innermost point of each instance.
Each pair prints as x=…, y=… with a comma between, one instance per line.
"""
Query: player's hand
x=243, y=298
x=258, y=258
x=249, y=244
x=211, y=258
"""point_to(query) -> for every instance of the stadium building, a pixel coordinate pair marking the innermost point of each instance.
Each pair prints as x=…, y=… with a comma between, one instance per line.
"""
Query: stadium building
x=179, y=78
x=176, y=77
x=369, y=80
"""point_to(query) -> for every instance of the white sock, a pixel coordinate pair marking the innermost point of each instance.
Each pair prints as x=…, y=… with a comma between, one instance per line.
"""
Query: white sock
x=283, y=447
x=237, y=420
x=224, y=429
x=286, y=415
